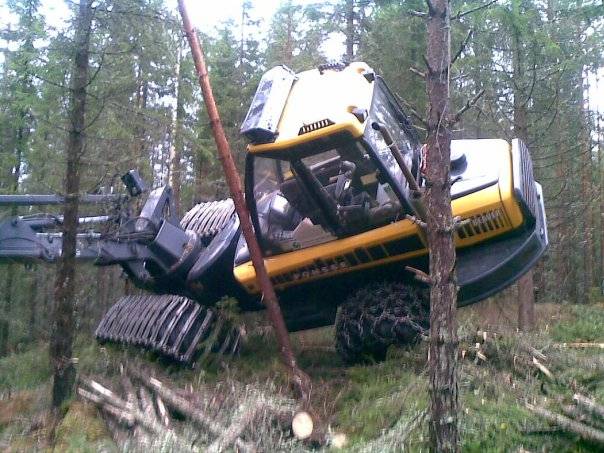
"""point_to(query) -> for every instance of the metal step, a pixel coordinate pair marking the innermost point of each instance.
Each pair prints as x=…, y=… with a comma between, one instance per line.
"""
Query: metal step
x=172, y=326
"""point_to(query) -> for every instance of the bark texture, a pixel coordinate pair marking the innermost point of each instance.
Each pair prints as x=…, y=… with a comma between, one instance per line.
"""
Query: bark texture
x=175, y=168
x=350, y=32
x=444, y=403
x=526, y=291
x=63, y=322
x=300, y=379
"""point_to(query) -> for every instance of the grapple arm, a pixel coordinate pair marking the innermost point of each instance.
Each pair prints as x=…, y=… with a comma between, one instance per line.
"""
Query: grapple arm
x=151, y=247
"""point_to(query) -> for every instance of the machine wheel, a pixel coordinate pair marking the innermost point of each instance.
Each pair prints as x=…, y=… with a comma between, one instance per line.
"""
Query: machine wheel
x=379, y=315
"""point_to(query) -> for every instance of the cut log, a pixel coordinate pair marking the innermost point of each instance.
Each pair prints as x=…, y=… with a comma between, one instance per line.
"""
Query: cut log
x=339, y=440
x=586, y=432
x=302, y=425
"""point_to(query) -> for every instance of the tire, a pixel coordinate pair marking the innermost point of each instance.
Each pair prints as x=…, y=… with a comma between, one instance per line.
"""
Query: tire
x=380, y=315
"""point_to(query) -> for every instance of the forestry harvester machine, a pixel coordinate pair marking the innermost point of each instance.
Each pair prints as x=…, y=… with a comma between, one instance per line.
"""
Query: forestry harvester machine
x=333, y=181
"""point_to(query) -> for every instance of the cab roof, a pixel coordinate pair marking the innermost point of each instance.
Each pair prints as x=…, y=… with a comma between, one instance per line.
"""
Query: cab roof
x=321, y=102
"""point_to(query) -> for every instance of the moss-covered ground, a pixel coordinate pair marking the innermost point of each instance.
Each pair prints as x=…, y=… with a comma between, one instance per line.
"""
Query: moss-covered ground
x=373, y=404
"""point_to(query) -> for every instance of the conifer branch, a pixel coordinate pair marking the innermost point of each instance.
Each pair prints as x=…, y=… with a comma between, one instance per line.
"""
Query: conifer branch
x=420, y=275
x=421, y=14
x=417, y=72
x=420, y=223
x=462, y=47
x=461, y=14
x=469, y=104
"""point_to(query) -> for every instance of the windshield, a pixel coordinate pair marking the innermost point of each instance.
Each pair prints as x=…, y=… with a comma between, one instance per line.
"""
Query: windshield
x=312, y=199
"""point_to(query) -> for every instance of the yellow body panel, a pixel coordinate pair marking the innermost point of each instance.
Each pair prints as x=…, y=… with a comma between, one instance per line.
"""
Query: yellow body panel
x=315, y=97
x=492, y=211
x=350, y=124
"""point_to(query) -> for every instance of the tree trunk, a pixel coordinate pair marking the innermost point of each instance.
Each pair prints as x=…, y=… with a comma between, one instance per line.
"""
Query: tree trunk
x=63, y=323
x=20, y=143
x=33, y=300
x=444, y=404
x=587, y=190
x=7, y=308
x=600, y=281
x=175, y=168
x=350, y=33
x=526, y=292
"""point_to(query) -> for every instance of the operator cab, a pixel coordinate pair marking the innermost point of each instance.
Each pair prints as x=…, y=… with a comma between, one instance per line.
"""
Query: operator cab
x=317, y=171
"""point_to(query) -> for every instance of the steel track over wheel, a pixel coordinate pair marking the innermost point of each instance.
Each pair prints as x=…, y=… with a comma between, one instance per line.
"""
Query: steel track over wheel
x=173, y=326
x=208, y=219
x=380, y=315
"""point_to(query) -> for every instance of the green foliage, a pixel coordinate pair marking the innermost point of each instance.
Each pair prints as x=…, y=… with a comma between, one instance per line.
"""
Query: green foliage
x=25, y=370
x=394, y=43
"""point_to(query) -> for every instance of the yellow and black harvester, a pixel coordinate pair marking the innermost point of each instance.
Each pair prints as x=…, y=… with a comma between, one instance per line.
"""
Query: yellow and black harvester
x=329, y=177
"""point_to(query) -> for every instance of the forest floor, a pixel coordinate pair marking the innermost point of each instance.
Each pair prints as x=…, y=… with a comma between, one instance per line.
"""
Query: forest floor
x=374, y=405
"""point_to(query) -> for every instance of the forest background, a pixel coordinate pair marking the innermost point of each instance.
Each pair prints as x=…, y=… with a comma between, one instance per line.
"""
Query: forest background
x=540, y=64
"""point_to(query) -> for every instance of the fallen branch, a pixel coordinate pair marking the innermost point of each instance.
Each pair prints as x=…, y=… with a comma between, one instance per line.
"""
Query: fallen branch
x=397, y=435
x=586, y=432
x=162, y=412
x=123, y=417
x=183, y=406
x=542, y=368
x=580, y=345
x=589, y=405
x=235, y=430
x=104, y=395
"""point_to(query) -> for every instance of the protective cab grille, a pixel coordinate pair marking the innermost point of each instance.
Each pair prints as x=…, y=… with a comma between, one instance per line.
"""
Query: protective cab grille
x=315, y=126
x=524, y=182
x=483, y=223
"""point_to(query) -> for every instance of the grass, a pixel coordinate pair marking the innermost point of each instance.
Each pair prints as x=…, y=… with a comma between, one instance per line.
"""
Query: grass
x=373, y=404
x=586, y=325
x=26, y=370
x=82, y=430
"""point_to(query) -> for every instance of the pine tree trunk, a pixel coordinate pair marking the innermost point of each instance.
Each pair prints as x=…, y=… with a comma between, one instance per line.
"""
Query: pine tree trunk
x=350, y=33
x=600, y=281
x=444, y=404
x=6, y=309
x=33, y=301
x=63, y=323
x=20, y=142
x=587, y=190
x=526, y=292
x=175, y=168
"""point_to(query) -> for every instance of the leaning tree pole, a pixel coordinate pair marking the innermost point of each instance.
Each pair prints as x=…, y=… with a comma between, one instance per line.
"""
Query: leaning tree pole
x=300, y=380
